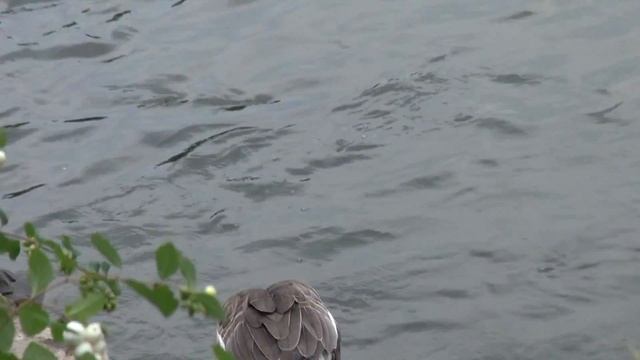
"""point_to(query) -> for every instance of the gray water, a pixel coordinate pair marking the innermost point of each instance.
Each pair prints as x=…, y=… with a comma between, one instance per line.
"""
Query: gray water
x=459, y=179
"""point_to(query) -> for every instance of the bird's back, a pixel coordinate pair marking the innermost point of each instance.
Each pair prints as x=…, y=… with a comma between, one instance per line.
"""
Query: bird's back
x=286, y=321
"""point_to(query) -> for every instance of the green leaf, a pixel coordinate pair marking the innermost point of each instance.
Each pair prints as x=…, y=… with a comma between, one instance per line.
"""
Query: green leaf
x=30, y=230
x=7, y=330
x=211, y=305
x=114, y=285
x=5, y=303
x=3, y=138
x=221, y=354
x=160, y=296
x=66, y=242
x=86, y=307
x=188, y=271
x=50, y=244
x=36, y=351
x=105, y=267
x=57, y=330
x=106, y=249
x=65, y=258
x=9, y=246
x=67, y=265
x=4, y=219
x=167, y=260
x=40, y=271
x=94, y=266
x=33, y=318
x=7, y=356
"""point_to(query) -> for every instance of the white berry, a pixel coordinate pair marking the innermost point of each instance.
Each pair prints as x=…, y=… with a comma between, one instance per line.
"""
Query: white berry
x=93, y=333
x=210, y=290
x=100, y=346
x=74, y=332
x=83, y=348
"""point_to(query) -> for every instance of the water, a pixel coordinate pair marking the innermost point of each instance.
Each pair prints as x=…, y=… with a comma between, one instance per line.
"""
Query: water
x=458, y=178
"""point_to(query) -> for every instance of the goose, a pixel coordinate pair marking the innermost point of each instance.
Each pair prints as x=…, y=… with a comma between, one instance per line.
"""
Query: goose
x=285, y=321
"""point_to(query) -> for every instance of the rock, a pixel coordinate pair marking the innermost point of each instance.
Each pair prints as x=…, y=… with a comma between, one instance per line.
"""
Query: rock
x=21, y=341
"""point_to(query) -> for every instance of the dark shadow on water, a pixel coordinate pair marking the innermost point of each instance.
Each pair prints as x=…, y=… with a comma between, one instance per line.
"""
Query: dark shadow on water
x=453, y=294
x=93, y=118
x=494, y=256
x=68, y=134
x=401, y=329
x=543, y=312
x=119, y=15
x=429, y=182
x=343, y=145
x=98, y=169
x=500, y=126
x=490, y=163
x=259, y=192
x=16, y=125
x=224, y=149
x=602, y=116
x=83, y=50
x=518, y=16
x=160, y=88
x=329, y=162
x=395, y=92
x=436, y=59
x=228, y=103
x=419, y=327
x=22, y=192
x=240, y=2
x=14, y=3
x=335, y=161
x=169, y=138
x=437, y=181
x=462, y=118
x=20, y=6
x=320, y=243
x=516, y=79
x=350, y=106
x=216, y=225
x=307, y=170
x=110, y=60
x=195, y=145
x=16, y=133
x=10, y=111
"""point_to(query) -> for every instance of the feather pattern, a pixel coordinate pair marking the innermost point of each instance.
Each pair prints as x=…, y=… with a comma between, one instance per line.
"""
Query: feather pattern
x=286, y=321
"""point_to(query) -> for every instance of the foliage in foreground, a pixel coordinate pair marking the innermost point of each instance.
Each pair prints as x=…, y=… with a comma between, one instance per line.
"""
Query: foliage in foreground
x=53, y=263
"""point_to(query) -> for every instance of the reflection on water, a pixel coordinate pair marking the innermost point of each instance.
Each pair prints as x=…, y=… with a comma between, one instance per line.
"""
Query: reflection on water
x=457, y=178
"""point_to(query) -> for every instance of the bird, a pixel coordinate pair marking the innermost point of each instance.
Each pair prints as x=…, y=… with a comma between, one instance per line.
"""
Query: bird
x=286, y=321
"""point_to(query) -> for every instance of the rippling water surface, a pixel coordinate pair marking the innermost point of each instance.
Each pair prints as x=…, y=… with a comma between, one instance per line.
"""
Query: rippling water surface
x=458, y=178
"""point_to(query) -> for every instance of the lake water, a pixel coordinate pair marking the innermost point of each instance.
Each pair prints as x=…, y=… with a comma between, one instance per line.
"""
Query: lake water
x=459, y=179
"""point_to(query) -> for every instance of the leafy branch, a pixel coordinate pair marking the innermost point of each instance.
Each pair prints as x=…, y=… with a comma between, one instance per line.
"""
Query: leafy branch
x=55, y=263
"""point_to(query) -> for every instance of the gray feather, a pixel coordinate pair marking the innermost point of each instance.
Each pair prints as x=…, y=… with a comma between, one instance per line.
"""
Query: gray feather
x=265, y=343
x=295, y=324
x=307, y=344
x=311, y=321
x=262, y=300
